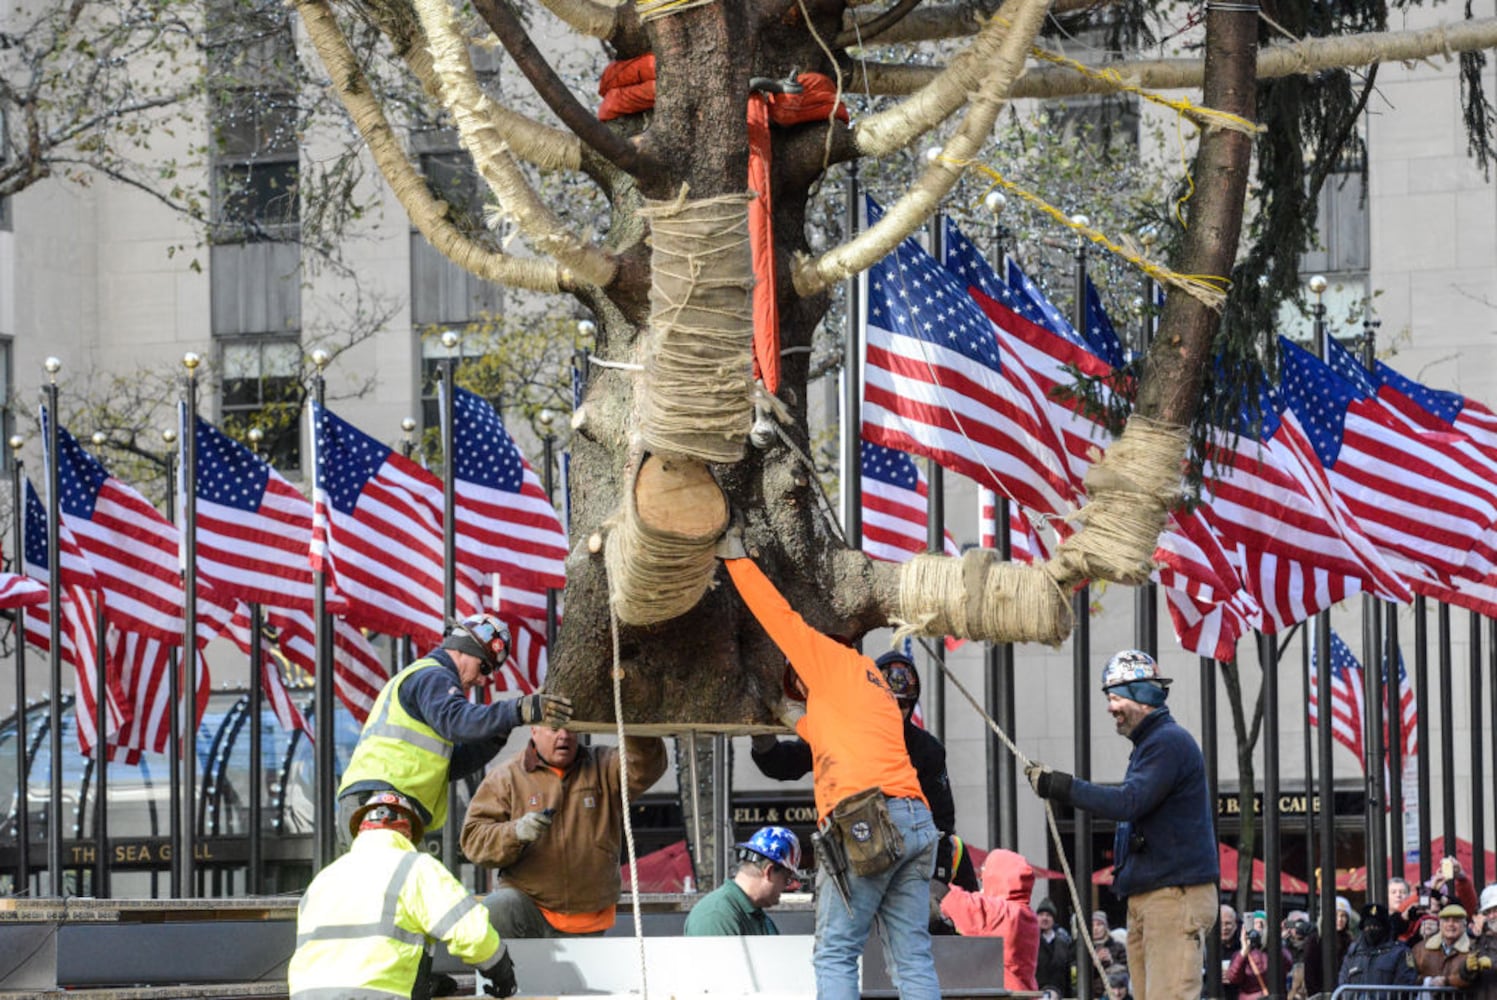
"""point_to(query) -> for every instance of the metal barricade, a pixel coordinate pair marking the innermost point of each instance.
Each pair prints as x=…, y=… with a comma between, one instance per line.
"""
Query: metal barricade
x=1355, y=991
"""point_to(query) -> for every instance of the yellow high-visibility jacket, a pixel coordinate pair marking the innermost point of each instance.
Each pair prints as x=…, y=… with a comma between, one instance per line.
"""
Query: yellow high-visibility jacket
x=368, y=917
x=398, y=748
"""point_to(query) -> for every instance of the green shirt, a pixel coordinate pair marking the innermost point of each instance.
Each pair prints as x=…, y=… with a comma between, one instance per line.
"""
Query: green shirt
x=727, y=911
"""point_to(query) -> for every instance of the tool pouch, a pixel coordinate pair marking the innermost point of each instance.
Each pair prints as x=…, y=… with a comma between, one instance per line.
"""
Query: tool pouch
x=869, y=838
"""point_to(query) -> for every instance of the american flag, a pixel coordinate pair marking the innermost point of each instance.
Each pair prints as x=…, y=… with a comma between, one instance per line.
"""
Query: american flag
x=254, y=529
x=1100, y=334
x=79, y=631
x=1346, y=699
x=271, y=681
x=132, y=548
x=1028, y=301
x=1025, y=542
x=1391, y=480
x=506, y=523
x=254, y=532
x=1407, y=710
x=377, y=533
x=1298, y=550
x=17, y=591
x=143, y=664
x=1190, y=556
x=1346, y=695
x=936, y=385
x=895, y=504
x=358, y=671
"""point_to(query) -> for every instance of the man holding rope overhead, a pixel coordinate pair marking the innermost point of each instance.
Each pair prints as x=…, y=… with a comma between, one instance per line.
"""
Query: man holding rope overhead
x=1165, y=858
x=871, y=812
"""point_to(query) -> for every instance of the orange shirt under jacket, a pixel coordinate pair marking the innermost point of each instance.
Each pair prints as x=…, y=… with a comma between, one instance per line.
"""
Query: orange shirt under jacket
x=852, y=720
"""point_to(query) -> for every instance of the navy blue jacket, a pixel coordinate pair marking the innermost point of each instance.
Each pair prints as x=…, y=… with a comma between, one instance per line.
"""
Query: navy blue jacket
x=1164, y=836
x=1386, y=964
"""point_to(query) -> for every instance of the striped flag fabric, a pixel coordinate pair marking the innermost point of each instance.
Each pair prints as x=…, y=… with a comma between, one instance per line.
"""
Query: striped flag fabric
x=287, y=715
x=896, y=500
x=254, y=529
x=1100, y=334
x=143, y=664
x=17, y=591
x=1408, y=712
x=79, y=629
x=1190, y=555
x=935, y=384
x=1025, y=543
x=377, y=533
x=1390, y=479
x=134, y=550
x=358, y=671
x=254, y=534
x=506, y=523
x=1346, y=695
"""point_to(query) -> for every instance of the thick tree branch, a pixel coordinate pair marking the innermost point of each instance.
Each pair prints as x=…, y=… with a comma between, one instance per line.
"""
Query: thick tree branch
x=427, y=214
x=595, y=20
x=1022, y=21
x=863, y=33
x=1309, y=56
x=558, y=97
x=470, y=110
x=937, y=23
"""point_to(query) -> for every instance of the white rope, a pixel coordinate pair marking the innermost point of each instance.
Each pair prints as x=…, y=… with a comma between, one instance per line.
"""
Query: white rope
x=1060, y=848
x=618, y=715
x=624, y=366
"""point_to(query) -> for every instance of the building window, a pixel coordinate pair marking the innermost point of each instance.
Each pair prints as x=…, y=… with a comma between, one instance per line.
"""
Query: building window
x=262, y=388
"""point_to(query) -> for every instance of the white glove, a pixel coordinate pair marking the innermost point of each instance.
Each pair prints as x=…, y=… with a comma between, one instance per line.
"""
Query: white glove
x=528, y=828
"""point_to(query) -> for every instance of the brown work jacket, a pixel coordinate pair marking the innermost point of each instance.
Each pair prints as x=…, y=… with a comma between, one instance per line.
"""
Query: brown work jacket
x=574, y=866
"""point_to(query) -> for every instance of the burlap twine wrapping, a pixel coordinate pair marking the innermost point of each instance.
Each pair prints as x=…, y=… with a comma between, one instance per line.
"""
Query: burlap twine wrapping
x=1133, y=489
x=699, y=346
x=654, y=575
x=979, y=596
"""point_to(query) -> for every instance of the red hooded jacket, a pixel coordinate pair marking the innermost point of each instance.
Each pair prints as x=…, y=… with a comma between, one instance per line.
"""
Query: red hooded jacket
x=1001, y=909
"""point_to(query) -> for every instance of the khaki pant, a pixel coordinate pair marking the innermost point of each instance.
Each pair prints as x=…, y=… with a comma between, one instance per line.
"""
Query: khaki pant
x=1166, y=937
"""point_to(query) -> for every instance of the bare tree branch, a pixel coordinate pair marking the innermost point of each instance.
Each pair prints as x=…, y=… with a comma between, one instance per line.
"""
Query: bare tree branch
x=558, y=97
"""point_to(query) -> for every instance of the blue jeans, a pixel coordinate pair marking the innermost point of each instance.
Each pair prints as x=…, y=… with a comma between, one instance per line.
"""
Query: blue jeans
x=899, y=898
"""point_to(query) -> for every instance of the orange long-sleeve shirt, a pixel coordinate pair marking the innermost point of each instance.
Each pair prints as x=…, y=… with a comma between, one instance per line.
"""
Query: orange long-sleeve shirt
x=852, y=720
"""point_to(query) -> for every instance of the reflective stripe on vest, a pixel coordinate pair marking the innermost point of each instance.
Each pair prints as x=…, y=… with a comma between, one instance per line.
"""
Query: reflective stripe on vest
x=399, y=751
x=385, y=926
x=449, y=919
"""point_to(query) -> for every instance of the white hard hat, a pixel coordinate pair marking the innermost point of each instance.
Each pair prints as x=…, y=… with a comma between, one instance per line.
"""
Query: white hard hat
x=1488, y=898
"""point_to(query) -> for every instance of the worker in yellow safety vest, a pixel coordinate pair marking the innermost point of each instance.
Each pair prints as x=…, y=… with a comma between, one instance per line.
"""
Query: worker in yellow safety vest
x=424, y=732
x=366, y=924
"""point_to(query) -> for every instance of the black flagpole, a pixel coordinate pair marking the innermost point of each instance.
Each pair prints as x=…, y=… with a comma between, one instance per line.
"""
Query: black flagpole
x=1478, y=871
x=101, y=738
x=450, y=340
x=998, y=678
x=1081, y=652
x=54, y=573
x=1393, y=694
x=255, y=880
x=1447, y=729
x=23, y=794
x=1421, y=727
x=325, y=842
x=187, y=859
x=935, y=544
x=1373, y=683
x=1209, y=755
x=1273, y=848
x=174, y=696
x=1323, y=706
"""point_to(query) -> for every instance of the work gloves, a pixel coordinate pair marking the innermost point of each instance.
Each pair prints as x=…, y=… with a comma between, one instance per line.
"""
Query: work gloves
x=528, y=828
x=1477, y=963
x=790, y=712
x=764, y=742
x=554, y=710
x=500, y=977
x=1048, y=784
